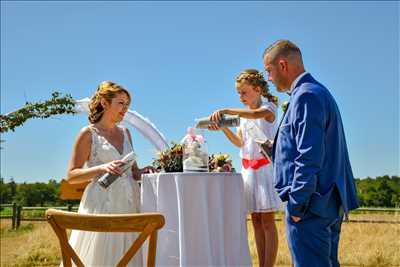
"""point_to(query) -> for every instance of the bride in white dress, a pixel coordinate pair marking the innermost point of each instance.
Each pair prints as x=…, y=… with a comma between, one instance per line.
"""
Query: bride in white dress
x=98, y=149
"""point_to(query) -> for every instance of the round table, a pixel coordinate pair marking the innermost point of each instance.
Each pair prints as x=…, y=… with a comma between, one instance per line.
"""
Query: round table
x=205, y=217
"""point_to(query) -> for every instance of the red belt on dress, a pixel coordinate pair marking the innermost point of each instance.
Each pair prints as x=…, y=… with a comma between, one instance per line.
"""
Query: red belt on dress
x=255, y=163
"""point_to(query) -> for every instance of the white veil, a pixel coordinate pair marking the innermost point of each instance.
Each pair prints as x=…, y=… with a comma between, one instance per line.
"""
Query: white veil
x=142, y=124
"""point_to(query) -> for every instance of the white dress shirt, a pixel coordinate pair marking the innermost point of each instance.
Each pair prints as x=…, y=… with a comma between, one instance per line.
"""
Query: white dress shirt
x=294, y=83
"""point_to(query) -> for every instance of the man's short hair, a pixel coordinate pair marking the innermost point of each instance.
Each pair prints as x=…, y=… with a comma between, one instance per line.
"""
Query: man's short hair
x=282, y=48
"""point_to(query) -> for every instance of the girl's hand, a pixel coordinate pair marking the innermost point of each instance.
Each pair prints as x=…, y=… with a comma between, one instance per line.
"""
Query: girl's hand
x=112, y=167
x=148, y=169
x=214, y=128
x=215, y=117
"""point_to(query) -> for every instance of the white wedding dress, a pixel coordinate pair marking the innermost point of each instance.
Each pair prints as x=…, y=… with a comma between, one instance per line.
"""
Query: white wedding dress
x=123, y=196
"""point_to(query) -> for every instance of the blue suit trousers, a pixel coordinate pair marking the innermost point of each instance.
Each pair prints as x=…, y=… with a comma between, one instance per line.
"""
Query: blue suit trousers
x=314, y=240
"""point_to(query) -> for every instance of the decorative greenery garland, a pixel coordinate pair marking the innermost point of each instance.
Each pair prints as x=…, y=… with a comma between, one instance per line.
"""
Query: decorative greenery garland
x=54, y=106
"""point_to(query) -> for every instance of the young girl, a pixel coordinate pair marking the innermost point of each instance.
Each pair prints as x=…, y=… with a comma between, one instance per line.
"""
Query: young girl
x=257, y=171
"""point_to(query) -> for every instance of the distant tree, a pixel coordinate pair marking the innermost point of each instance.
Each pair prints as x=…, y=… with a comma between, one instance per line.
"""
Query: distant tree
x=13, y=187
x=24, y=195
x=36, y=194
x=383, y=191
x=5, y=192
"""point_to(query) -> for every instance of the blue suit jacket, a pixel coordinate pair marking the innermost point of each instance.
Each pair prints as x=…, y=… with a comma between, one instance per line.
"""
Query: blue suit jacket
x=311, y=163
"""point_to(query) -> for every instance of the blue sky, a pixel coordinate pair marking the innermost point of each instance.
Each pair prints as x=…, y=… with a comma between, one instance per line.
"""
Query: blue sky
x=179, y=60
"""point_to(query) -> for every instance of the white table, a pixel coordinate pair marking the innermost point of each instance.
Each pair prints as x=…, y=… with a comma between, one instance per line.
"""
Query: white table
x=205, y=218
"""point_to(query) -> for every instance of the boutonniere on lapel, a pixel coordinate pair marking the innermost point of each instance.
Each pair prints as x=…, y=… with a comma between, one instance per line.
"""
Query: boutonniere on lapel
x=285, y=105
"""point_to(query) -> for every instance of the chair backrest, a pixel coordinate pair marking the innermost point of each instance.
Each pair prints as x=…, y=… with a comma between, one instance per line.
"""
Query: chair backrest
x=147, y=224
x=70, y=191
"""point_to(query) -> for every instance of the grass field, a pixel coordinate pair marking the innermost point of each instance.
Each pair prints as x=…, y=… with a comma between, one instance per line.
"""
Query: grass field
x=362, y=244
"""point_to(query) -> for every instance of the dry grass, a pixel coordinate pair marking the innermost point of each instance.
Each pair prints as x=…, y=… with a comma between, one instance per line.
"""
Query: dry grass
x=34, y=244
x=283, y=258
x=362, y=244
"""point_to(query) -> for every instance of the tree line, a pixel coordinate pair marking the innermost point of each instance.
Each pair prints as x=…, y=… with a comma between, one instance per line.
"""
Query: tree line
x=381, y=191
x=32, y=194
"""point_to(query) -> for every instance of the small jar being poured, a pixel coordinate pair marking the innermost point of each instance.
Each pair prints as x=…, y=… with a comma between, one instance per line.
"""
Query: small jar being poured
x=195, y=154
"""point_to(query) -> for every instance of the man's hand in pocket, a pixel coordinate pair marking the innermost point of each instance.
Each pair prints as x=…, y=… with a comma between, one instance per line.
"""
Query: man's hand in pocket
x=295, y=218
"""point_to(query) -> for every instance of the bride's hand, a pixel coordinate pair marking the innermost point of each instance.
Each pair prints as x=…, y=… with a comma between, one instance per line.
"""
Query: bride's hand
x=112, y=167
x=136, y=174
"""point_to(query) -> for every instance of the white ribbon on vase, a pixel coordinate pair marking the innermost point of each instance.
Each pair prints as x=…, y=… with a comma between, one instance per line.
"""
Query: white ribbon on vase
x=133, y=118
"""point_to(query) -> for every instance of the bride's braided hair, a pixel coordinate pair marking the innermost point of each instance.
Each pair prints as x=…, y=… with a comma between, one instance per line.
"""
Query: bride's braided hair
x=255, y=78
x=106, y=90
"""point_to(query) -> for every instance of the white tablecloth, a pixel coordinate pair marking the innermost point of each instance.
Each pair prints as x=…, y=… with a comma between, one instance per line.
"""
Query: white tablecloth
x=205, y=218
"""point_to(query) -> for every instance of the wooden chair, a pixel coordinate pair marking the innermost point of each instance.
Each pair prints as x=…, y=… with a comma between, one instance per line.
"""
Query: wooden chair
x=145, y=223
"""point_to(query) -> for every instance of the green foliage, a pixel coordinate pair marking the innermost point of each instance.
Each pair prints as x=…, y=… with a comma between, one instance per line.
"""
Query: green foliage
x=383, y=191
x=32, y=194
x=170, y=160
x=220, y=163
x=5, y=192
x=55, y=105
x=5, y=211
x=37, y=193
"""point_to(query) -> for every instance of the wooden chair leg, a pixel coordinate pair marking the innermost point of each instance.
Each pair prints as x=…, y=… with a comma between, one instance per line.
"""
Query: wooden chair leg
x=67, y=252
x=136, y=245
x=151, y=255
x=71, y=251
x=65, y=255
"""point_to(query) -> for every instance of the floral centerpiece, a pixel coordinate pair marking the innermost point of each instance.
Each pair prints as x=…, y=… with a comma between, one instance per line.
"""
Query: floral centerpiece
x=170, y=160
x=220, y=163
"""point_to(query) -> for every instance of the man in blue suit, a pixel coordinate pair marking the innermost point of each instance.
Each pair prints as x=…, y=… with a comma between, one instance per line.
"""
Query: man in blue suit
x=311, y=163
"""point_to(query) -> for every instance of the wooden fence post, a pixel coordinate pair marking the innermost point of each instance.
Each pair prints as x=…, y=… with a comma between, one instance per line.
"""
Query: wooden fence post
x=19, y=209
x=14, y=215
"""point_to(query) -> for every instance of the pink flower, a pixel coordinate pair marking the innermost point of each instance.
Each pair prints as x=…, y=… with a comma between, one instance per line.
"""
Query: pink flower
x=227, y=167
x=200, y=139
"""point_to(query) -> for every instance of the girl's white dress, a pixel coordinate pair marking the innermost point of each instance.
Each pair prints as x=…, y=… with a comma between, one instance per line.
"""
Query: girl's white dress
x=259, y=184
x=123, y=196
